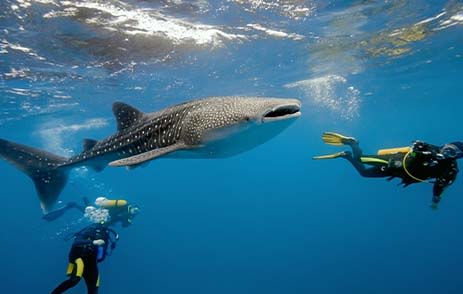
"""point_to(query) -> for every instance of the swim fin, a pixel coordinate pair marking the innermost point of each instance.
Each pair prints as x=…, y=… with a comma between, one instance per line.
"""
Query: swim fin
x=331, y=156
x=337, y=139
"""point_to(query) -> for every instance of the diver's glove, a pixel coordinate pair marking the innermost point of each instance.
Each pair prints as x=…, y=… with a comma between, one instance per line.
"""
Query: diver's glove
x=98, y=242
x=435, y=202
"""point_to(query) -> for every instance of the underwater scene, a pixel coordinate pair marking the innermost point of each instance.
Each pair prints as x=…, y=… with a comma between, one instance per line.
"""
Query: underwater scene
x=231, y=146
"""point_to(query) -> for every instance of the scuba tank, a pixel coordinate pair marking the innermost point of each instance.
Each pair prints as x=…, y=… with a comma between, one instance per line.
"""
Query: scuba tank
x=96, y=232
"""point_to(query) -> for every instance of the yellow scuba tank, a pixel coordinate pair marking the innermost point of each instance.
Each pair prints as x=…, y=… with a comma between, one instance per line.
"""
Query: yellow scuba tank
x=107, y=203
x=390, y=151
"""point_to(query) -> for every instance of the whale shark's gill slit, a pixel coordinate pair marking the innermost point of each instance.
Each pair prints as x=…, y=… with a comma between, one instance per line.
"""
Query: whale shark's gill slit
x=282, y=111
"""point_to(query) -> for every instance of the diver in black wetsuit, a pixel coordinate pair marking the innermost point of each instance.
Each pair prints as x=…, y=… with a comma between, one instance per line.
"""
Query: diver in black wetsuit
x=57, y=213
x=420, y=162
x=91, y=246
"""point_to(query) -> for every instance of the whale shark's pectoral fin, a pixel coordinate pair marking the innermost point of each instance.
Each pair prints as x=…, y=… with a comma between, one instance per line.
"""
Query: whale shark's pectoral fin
x=147, y=156
x=143, y=164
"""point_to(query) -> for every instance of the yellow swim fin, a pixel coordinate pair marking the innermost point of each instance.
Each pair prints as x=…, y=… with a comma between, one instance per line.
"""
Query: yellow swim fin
x=330, y=156
x=337, y=139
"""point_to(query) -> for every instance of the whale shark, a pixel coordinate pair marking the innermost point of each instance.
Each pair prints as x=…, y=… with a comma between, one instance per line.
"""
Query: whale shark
x=214, y=127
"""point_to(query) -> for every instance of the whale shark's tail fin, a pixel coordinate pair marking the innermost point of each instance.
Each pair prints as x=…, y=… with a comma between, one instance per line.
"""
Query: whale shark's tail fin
x=41, y=166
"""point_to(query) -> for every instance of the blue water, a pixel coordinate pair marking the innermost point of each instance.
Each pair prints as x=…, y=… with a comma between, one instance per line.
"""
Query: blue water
x=270, y=220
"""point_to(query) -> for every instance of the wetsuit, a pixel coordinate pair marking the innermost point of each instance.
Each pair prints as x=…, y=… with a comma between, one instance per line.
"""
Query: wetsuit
x=119, y=211
x=85, y=256
x=121, y=214
x=423, y=162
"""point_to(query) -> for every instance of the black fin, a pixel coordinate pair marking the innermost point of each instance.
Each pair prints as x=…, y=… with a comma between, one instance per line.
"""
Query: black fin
x=55, y=214
x=126, y=115
x=89, y=143
x=43, y=167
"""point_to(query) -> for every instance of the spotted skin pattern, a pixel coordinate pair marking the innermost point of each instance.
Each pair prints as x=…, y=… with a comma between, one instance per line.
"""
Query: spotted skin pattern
x=187, y=123
x=141, y=135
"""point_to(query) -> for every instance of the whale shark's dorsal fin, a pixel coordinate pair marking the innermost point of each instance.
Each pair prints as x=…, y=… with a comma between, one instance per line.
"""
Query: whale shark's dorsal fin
x=126, y=115
x=89, y=144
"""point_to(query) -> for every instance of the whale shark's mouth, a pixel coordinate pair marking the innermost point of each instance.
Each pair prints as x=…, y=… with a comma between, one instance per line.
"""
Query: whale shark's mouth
x=282, y=112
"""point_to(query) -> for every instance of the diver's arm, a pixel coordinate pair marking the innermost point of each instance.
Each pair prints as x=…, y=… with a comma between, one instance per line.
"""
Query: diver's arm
x=443, y=182
x=82, y=241
x=79, y=208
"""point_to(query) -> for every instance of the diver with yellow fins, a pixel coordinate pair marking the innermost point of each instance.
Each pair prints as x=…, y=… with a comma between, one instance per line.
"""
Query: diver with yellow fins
x=420, y=162
x=91, y=246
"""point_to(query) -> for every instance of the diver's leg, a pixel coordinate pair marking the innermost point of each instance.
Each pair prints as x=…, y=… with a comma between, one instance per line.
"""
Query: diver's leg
x=355, y=159
x=74, y=277
x=55, y=214
x=68, y=284
x=356, y=150
x=340, y=140
x=81, y=208
x=91, y=276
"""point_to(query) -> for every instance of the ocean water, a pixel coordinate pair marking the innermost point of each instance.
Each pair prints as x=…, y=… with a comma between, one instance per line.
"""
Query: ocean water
x=270, y=220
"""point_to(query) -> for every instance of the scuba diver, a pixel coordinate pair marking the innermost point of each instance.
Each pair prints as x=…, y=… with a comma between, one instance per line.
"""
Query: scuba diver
x=57, y=213
x=91, y=246
x=111, y=211
x=421, y=162
x=118, y=211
